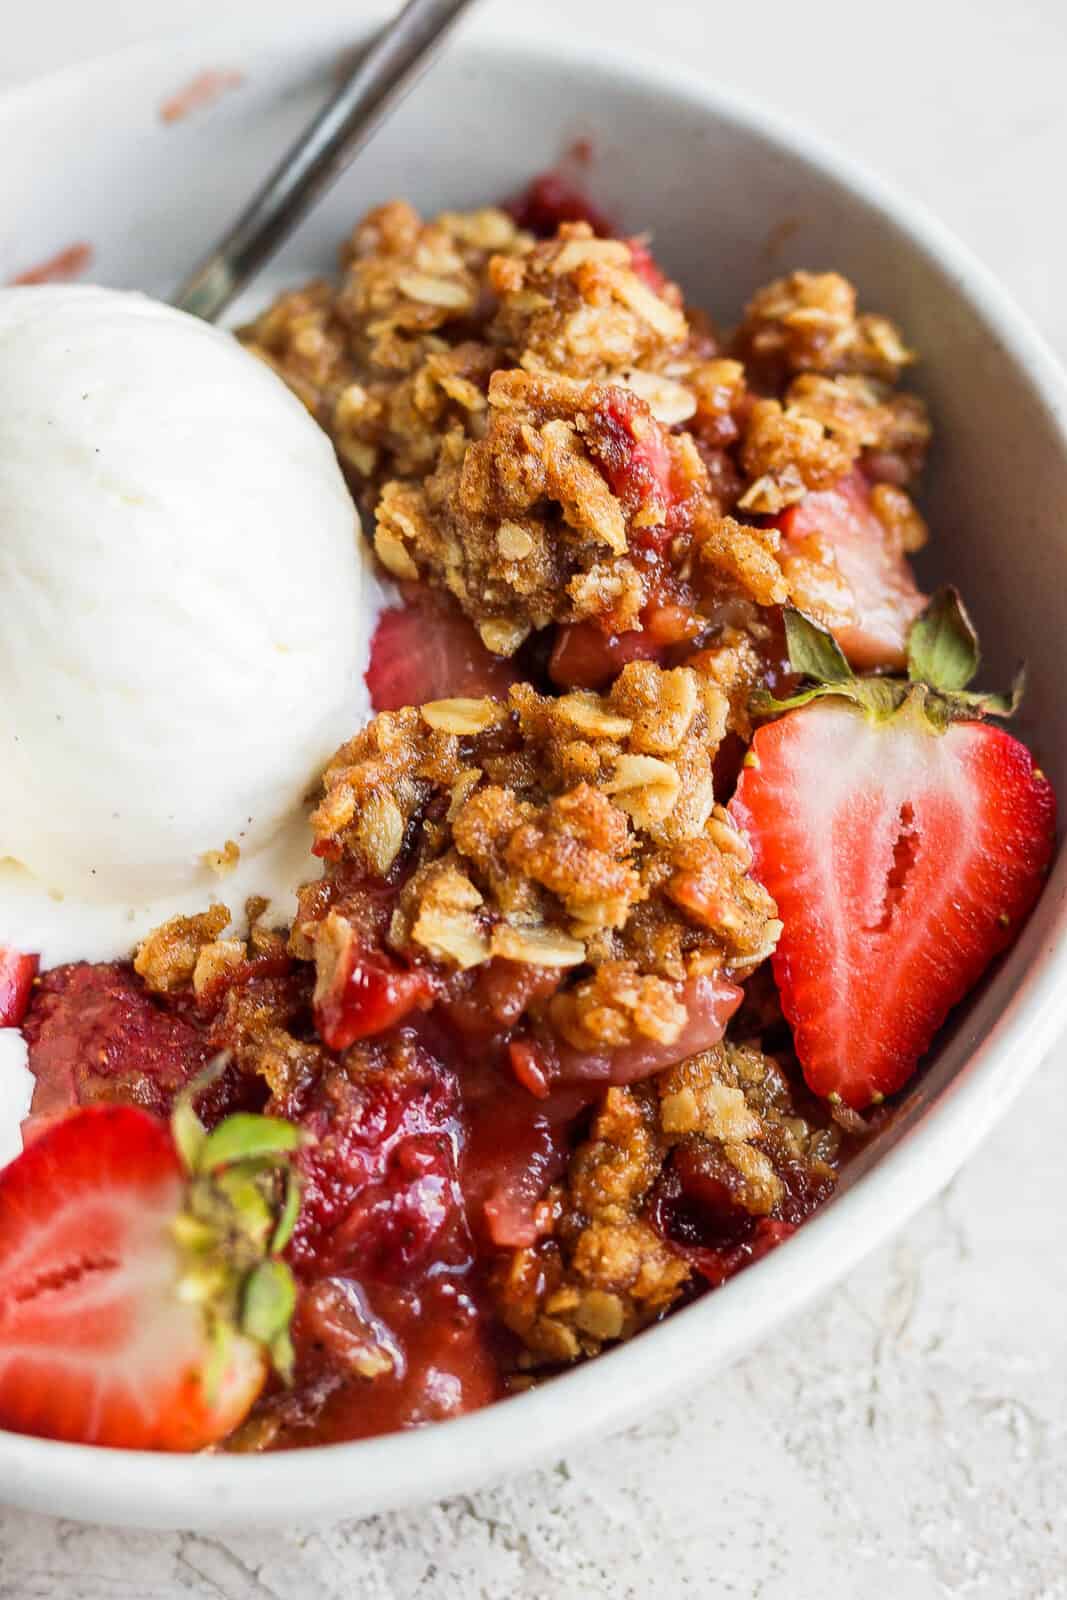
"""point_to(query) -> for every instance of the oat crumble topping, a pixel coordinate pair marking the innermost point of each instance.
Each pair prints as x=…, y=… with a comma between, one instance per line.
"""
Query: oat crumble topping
x=600, y=1272
x=569, y=832
x=544, y=430
x=524, y=1014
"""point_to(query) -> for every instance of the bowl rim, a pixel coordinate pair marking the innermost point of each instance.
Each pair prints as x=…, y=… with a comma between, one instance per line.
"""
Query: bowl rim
x=306, y=1485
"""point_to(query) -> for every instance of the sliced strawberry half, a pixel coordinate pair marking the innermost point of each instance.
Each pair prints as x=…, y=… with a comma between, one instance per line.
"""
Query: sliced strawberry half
x=427, y=650
x=124, y=1318
x=905, y=844
x=17, y=973
x=886, y=599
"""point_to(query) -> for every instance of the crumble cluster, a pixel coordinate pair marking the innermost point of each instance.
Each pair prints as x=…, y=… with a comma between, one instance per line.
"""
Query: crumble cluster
x=257, y=998
x=547, y=432
x=722, y=1122
x=570, y=833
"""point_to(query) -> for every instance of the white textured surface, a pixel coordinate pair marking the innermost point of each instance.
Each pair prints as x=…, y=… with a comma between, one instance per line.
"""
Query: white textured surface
x=907, y=1438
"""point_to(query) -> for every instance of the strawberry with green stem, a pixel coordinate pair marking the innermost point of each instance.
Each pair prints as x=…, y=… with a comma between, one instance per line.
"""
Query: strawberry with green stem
x=905, y=839
x=143, y=1294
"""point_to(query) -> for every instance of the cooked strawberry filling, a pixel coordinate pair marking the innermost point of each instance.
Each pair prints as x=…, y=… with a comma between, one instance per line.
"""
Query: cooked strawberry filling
x=552, y=198
x=362, y=992
x=426, y=649
x=95, y=1035
x=585, y=657
x=625, y=914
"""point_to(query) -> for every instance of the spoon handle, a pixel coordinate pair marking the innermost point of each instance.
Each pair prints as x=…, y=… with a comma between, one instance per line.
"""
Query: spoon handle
x=377, y=83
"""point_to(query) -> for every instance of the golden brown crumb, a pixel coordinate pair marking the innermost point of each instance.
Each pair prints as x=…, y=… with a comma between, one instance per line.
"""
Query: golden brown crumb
x=515, y=415
x=812, y=438
x=808, y=322
x=562, y=832
x=603, y=1269
x=225, y=860
x=905, y=529
x=574, y=305
x=167, y=958
x=785, y=453
x=605, y=1272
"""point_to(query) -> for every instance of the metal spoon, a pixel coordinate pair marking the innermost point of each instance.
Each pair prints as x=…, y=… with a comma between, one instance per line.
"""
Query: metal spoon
x=373, y=88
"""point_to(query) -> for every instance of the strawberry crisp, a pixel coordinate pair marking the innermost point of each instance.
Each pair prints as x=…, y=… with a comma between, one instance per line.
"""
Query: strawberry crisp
x=676, y=835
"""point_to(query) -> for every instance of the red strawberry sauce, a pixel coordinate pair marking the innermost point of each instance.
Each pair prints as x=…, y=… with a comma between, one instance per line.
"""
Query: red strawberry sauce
x=420, y=1165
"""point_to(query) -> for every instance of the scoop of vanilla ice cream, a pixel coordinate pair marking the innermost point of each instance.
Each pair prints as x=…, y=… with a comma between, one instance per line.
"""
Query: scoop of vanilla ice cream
x=181, y=630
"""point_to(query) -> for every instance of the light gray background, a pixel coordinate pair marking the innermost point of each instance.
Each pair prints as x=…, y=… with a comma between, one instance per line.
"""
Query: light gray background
x=907, y=1438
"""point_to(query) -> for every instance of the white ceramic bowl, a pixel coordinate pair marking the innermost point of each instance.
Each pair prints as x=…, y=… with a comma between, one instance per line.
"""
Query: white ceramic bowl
x=87, y=158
